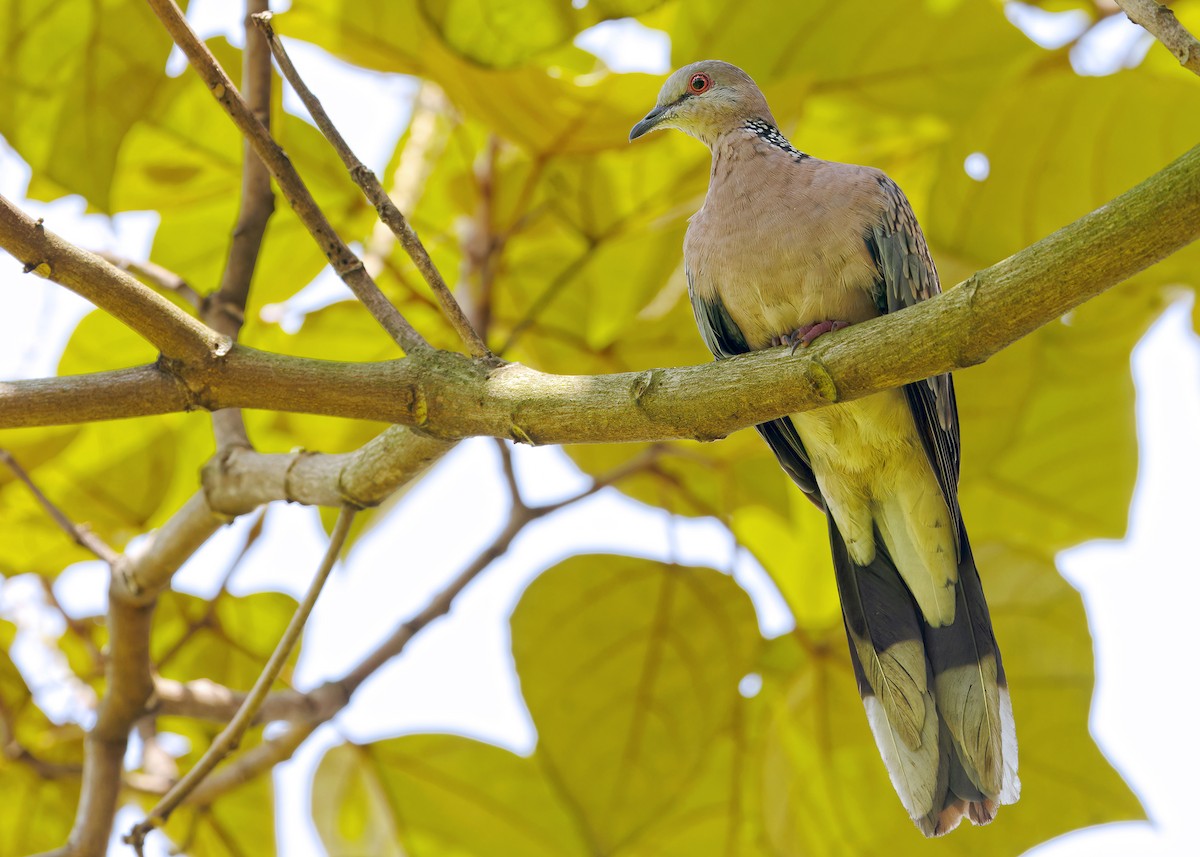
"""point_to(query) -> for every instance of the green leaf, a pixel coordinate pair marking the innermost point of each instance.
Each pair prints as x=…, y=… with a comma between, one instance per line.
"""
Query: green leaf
x=508, y=33
x=792, y=543
x=227, y=640
x=438, y=794
x=718, y=812
x=1058, y=146
x=39, y=811
x=194, y=182
x=110, y=479
x=1039, y=417
x=500, y=33
x=562, y=107
x=41, y=805
x=240, y=822
x=908, y=57
x=76, y=75
x=630, y=669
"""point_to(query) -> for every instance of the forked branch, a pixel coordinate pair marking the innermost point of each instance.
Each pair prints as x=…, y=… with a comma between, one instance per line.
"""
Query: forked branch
x=391, y=216
x=344, y=262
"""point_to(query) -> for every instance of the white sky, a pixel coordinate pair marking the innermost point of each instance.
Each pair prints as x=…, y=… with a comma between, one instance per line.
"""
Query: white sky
x=457, y=675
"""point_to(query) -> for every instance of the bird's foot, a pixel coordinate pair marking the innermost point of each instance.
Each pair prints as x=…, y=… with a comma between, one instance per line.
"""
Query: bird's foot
x=806, y=334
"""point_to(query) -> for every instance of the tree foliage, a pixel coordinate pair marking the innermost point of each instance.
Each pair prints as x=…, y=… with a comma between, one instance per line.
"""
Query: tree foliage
x=564, y=245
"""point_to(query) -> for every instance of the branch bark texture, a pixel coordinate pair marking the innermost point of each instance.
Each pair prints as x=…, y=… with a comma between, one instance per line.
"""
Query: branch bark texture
x=1160, y=22
x=448, y=396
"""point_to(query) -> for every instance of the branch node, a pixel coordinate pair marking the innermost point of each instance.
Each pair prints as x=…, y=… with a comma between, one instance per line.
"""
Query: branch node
x=38, y=269
x=419, y=406
x=819, y=378
x=519, y=435
x=642, y=384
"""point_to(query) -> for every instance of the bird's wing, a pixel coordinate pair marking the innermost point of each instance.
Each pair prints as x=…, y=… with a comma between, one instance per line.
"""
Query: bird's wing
x=724, y=339
x=906, y=276
x=968, y=676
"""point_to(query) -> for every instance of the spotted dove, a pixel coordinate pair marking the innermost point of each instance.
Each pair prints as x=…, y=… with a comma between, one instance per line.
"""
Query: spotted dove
x=788, y=247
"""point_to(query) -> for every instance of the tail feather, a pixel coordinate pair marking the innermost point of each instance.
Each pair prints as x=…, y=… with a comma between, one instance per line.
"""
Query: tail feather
x=936, y=697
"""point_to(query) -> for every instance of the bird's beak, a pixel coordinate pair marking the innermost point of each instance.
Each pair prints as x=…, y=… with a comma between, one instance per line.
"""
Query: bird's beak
x=647, y=124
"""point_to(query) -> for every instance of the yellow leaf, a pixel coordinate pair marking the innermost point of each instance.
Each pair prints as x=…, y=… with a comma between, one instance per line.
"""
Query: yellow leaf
x=438, y=794
x=77, y=75
x=630, y=668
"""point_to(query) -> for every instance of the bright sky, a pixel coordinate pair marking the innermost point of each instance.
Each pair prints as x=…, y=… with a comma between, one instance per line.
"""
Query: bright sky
x=457, y=675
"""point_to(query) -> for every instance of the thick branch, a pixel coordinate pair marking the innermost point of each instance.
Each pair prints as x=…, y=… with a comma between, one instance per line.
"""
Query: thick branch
x=343, y=260
x=164, y=325
x=388, y=212
x=141, y=391
x=1161, y=22
x=448, y=396
x=157, y=275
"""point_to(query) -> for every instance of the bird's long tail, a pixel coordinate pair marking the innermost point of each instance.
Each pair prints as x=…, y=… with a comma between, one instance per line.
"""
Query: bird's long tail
x=936, y=697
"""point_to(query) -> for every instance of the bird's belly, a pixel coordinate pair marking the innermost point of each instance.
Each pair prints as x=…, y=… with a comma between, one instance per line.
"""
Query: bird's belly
x=862, y=442
x=767, y=307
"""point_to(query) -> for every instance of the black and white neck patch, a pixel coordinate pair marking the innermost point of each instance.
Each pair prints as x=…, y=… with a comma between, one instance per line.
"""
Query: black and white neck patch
x=770, y=134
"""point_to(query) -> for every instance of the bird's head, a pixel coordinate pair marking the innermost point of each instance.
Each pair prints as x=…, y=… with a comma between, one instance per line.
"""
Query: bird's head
x=705, y=99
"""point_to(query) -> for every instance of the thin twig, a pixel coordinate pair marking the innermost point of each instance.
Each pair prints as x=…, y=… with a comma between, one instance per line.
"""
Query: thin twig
x=78, y=627
x=344, y=262
x=252, y=536
x=482, y=244
x=510, y=474
x=1161, y=22
x=367, y=181
x=423, y=147
x=80, y=533
x=157, y=276
x=231, y=735
x=153, y=317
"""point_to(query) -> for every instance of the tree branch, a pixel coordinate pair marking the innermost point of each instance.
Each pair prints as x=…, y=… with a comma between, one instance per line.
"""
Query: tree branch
x=373, y=190
x=167, y=281
x=164, y=325
x=140, y=391
x=343, y=260
x=307, y=711
x=448, y=396
x=231, y=735
x=367, y=476
x=1161, y=22
x=225, y=310
x=208, y=700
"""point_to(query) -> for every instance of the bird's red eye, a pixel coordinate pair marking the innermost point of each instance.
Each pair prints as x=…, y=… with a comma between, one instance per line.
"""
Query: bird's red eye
x=699, y=83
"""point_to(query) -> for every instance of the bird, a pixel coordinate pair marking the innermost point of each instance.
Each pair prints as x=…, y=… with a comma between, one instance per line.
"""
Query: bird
x=787, y=248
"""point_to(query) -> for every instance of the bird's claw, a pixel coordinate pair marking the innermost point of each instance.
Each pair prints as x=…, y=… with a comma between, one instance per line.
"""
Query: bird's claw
x=806, y=334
